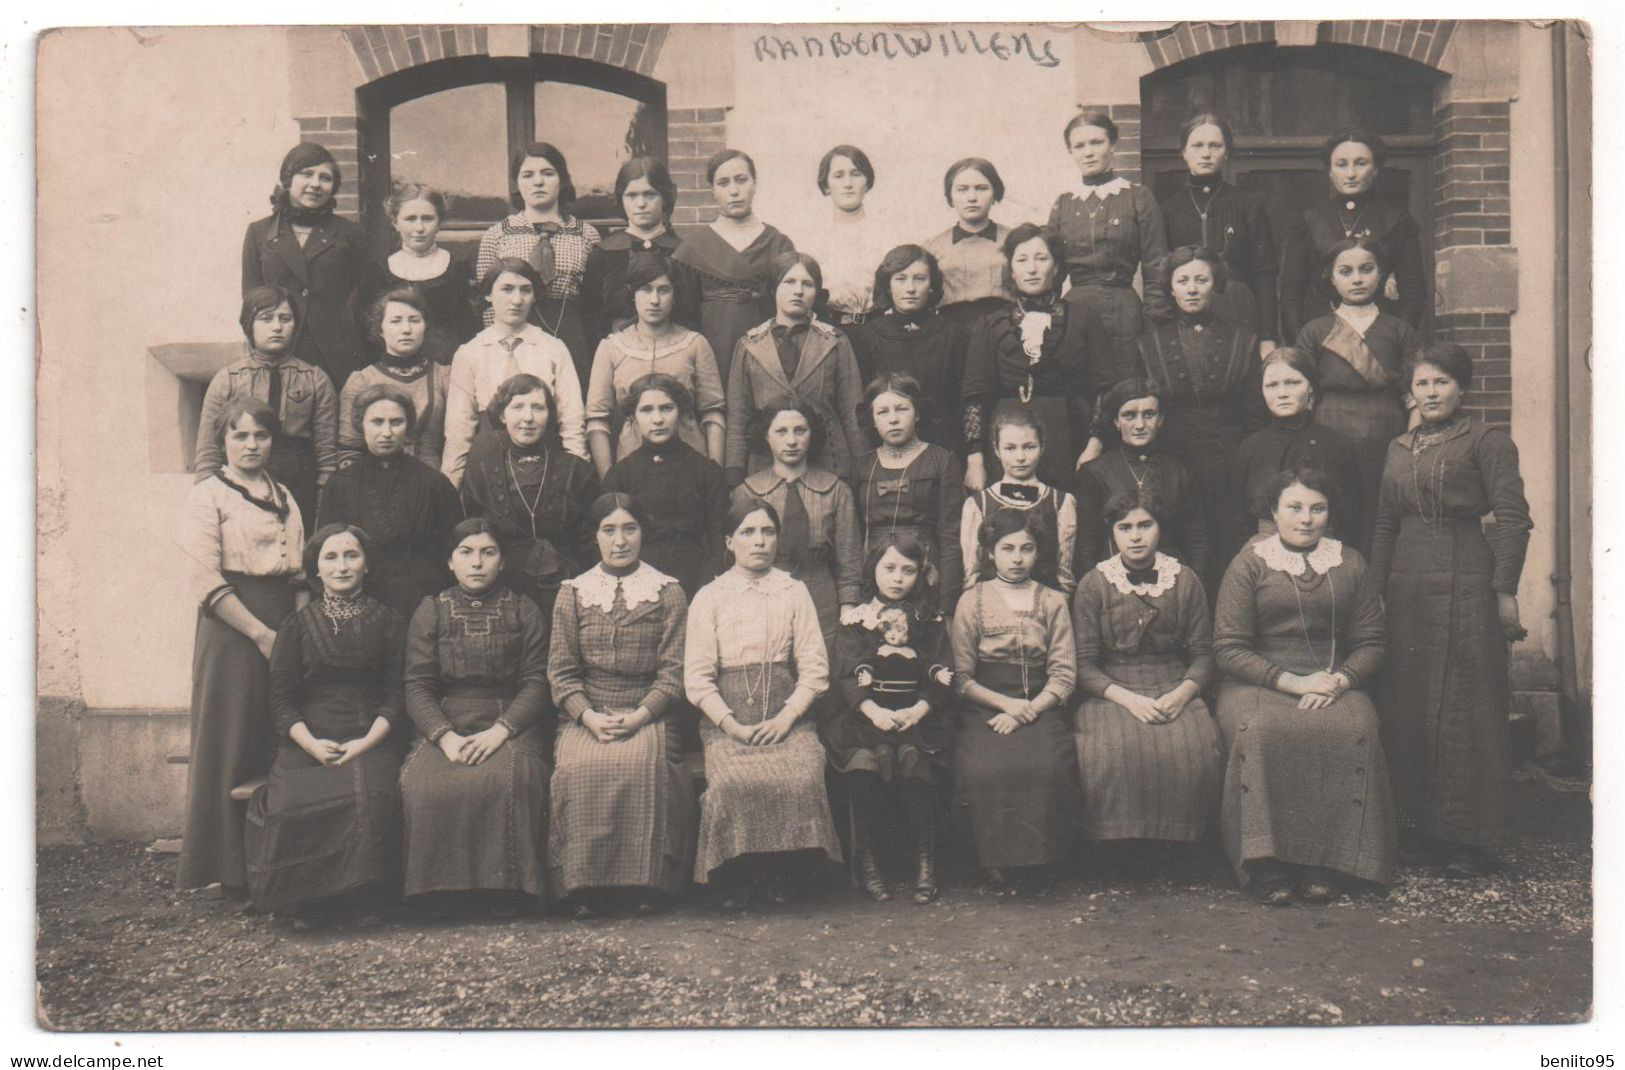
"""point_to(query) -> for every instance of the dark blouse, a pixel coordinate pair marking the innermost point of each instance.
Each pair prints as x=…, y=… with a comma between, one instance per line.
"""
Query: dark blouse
x=314, y=652
x=409, y=510
x=323, y=275
x=931, y=349
x=449, y=295
x=1109, y=626
x=1184, y=531
x=1305, y=293
x=1237, y=228
x=924, y=499
x=1106, y=240
x=605, y=304
x=541, y=548
x=685, y=496
x=1209, y=372
x=1390, y=340
x=846, y=730
x=495, y=643
x=1295, y=443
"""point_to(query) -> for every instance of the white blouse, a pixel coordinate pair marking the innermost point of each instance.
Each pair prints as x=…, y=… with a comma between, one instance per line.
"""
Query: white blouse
x=735, y=621
x=220, y=531
x=482, y=364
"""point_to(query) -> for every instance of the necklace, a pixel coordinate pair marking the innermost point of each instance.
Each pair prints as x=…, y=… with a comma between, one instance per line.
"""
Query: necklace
x=338, y=607
x=530, y=506
x=553, y=329
x=888, y=486
x=1139, y=480
x=760, y=686
x=1350, y=226
x=1304, y=622
x=1421, y=441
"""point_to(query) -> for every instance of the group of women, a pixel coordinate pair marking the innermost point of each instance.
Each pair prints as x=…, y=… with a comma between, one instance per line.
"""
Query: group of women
x=960, y=524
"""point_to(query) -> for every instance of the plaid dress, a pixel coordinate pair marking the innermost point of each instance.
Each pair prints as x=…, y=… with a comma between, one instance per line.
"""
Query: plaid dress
x=622, y=812
x=558, y=305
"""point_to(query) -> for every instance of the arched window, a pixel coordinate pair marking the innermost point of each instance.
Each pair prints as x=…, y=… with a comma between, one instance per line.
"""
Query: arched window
x=454, y=124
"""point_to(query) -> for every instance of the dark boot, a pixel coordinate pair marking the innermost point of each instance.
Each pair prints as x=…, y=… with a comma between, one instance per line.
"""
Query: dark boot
x=922, y=826
x=865, y=871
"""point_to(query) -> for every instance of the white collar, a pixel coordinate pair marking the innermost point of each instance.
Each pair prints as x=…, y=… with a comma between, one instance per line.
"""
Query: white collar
x=1106, y=189
x=1322, y=559
x=1360, y=317
x=596, y=588
x=1116, y=573
x=776, y=581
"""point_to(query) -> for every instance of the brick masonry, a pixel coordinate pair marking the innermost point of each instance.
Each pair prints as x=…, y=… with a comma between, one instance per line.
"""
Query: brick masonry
x=693, y=136
x=1422, y=40
x=338, y=134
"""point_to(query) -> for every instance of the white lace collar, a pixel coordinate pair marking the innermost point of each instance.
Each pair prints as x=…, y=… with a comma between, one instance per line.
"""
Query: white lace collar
x=1322, y=559
x=596, y=588
x=1106, y=189
x=867, y=614
x=1116, y=573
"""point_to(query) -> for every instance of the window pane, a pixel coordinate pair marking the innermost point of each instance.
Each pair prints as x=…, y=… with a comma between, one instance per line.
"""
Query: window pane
x=597, y=131
x=455, y=141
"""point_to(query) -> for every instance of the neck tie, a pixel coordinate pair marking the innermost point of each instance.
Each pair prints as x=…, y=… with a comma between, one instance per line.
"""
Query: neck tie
x=274, y=399
x=795, y=535
x=541, y=257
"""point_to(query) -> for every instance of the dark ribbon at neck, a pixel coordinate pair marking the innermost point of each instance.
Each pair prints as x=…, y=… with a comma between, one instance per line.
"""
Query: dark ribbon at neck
x=277, y=505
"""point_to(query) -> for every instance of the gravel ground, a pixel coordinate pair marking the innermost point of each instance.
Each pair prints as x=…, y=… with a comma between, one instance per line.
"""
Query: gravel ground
x=119, y=949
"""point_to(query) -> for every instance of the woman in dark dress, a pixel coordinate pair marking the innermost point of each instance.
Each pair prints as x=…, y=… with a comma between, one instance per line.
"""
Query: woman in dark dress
x=324, y=831
x=318, y=257
x=1015, y=665
x=1112, y=228
x=533, y=492
x=244, y=539
x=1038, y=352
x=724, y=268
x=444, y=282
x=405, y=506
x=1131, y=419
x=906, y=486
x=1295, y=439
x=904, y=335
x=1354, y=159
x=681, y=492
x=475, y=785
x=622, y=815
x=647, y=197
x=1452, y=596
x=1210, y=213
x=1298, y=634
x=886, y=725
x=399, y=323
x=971, y=252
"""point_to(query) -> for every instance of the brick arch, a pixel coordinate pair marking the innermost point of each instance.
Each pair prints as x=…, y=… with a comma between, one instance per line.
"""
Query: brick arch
x=1421, y=40
x=384, y=50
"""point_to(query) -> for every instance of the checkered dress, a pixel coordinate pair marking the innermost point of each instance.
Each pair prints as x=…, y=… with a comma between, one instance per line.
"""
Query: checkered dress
x=514, y=236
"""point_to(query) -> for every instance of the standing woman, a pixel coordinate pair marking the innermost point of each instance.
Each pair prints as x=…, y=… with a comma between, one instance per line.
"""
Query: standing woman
x=907, y=336
x=681, y=493
x=1452, y=599
x=444, y=283
x=324, y=831
x=244, y=539
x=407, y=507
x=907, y=486
x=1037, y=352
x=474, y=787
x=399, y=322
x=317, y=256
x=652, y=344
x=851, y=243
x=555, y=243
x=1298, y=634
x=1111, y=228
x=533, y=494
x=818, y=542
x=647, y=197
x=1210, y=213
x=305, y=451
x=971, y=252
x=622, y=814
x=725, y=268
x=754, y=664
x=1353, y=159
x=1015, y=664
x=795, y=355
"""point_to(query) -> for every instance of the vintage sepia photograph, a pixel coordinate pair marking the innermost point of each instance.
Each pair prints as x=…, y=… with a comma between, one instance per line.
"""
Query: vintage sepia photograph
x=637, y=525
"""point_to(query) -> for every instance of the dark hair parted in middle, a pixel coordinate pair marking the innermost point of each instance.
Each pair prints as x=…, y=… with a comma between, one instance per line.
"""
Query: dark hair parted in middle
x=781, y=265
x=1189, y=254
x=318, y=539
x=1092, y=118
x=1378, y=251
x=473, y=525
x=268, y=299
x=714, y=164
x=1269, y=494
x=1206, y=118
x=905, y=543
x=742, y=507
x=1355, y=135
x=1052, y=240
x=644, y=268
x=375, y=393
x=516, y=386
x=1112, y=401
x=972, y=163
x=1448, y=357
x=605, y=504
x=1001, y=523
x=235, y=410
x=655, y=172
x=1304, y=363
x=680, y=395
x=401, y=295
x=762, y=420
x=543, y=150
x=901, y=258
x=859, y=158
x=510, y=265
x=1125, y=502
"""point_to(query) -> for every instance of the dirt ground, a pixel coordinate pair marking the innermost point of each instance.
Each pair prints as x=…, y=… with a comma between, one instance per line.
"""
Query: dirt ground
x=119, y=949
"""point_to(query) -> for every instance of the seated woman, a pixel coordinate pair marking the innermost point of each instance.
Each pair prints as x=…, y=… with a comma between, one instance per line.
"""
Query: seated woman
x=404, y=504
x=754, y=664
x=300, y=396
x=1148, y=749
x=1015, y=664
x=474, y=787
x=682, y=493
x=652, y=345
x=819, y=541
x=1018, y=441
x=399, y=322
x=1130, y=419
x=623, y=804
x=1298, y=634
x=324, y=832
x=887, y=730
x=243, y=538
x=534, y=493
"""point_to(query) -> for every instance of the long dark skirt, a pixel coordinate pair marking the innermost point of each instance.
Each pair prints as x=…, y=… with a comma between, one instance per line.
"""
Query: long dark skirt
x=1305, y=787
x=477, y=827
x=1147, y=781
x=1373, y=419
x=1016, y=796
x=1120, y=312
x=233, y=740
x=1445, y=691
x=316, y=831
